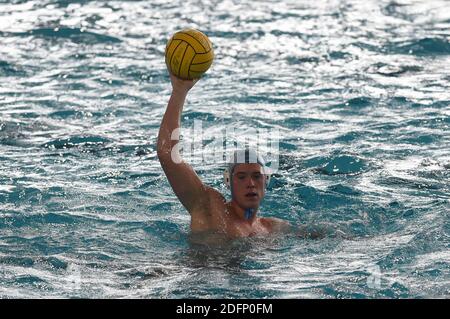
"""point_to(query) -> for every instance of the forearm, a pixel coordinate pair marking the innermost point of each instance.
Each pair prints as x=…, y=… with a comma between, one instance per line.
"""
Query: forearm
x=171, y=123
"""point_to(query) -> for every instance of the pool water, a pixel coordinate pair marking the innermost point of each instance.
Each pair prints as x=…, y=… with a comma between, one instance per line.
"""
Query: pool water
x=358, y=90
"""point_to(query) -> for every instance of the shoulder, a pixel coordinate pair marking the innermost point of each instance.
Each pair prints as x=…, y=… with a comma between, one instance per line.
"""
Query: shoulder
x=214, y=194
x=211, y=201
x=275, y=225
x=209, y=213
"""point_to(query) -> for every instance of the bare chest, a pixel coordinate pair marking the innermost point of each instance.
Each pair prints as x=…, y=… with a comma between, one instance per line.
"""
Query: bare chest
x=219, y=218
x=245, y=229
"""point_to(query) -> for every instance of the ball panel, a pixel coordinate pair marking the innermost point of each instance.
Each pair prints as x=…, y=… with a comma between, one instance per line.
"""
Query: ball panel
x=171, y=45
x=203, y=57
x=177, y=56
x=195, y=75
x=194, y=42
x=186, y=62
x=201, y=37
x=201, y=67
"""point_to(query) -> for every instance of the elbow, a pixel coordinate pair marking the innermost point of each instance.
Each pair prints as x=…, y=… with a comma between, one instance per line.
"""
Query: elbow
x=162, y=148
x=163, y=153
x=167, y=151
x=168, y=156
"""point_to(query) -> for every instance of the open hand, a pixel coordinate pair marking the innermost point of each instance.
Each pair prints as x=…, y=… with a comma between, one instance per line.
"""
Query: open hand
x=180, y=85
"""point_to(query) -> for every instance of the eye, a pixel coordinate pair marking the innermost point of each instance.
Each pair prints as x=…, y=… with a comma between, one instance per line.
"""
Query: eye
x=257, y=176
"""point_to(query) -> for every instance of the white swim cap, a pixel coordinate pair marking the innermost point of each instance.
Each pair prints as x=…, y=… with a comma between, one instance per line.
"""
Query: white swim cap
x=244, y=156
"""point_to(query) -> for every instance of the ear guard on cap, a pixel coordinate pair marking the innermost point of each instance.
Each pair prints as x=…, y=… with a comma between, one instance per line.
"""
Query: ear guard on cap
x=227, y=179
x=268, y=176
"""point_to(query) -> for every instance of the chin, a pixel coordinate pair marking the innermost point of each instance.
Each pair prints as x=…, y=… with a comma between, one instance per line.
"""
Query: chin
x=251, y=205
x=245, y=203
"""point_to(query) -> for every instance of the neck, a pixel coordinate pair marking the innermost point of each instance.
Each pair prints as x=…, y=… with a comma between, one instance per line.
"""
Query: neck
x=248, y=214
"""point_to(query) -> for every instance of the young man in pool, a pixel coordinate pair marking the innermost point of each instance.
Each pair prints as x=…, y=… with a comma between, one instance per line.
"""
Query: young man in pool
x=208, y=208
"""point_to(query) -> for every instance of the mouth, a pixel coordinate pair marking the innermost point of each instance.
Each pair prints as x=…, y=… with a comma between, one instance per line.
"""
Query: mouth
x=251, y=195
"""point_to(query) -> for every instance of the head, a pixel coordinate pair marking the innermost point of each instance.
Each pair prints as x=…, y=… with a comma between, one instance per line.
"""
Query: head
x=247, y=177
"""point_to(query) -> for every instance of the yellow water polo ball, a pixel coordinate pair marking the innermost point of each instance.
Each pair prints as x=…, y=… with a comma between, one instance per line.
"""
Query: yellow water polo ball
x=189, y=54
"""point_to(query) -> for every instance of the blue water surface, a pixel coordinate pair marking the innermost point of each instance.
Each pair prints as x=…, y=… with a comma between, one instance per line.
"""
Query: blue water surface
x=359, y=91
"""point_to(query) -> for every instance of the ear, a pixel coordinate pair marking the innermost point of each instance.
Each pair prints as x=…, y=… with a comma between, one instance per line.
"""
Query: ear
x=267, y=180
x=226, y=178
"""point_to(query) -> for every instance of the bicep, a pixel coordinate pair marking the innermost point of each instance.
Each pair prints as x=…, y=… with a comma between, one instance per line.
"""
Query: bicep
x=185, y=183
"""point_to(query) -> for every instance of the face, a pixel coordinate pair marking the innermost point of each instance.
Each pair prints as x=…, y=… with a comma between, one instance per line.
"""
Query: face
x=248, y=182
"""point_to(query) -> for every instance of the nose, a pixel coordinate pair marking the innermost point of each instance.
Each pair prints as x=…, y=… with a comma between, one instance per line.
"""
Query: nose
x=250, y=183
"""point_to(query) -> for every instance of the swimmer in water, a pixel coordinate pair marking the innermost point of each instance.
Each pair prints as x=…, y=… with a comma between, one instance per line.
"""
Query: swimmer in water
x=246, y=175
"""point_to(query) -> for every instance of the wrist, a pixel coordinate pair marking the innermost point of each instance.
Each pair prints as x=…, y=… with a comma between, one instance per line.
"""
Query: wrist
x=179, y=92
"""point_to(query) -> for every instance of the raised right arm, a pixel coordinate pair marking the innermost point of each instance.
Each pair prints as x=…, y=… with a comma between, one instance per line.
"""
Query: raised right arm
x=184, y=181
